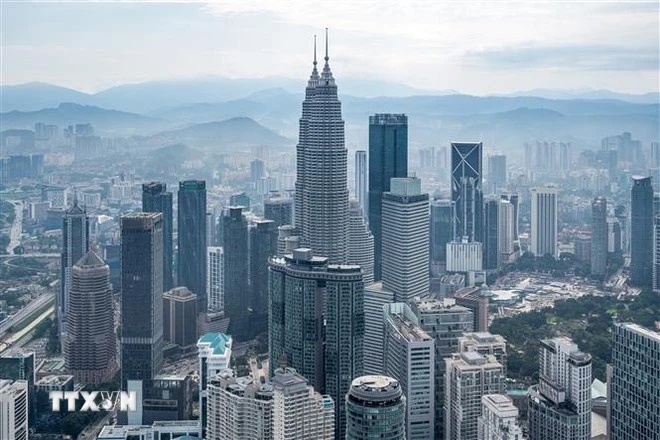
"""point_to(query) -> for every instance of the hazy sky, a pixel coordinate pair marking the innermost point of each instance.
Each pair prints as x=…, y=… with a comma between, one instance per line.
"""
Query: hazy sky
x=473, y=47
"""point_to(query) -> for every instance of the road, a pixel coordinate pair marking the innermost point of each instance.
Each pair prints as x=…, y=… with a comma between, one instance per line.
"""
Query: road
x=26, y=311
x=16, y=337
x=32, y=255
x=93, y=430
x=16, y=228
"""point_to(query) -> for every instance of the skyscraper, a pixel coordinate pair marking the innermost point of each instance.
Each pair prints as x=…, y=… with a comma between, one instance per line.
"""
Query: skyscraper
x=215, y=284
x=263, y=245
x=90, y=349
x=599, y=236
x=496, y=172
x=375, y=408
x=214, y=353
x=445, y=322
x=634, y=400
x=485, y=343
x=361, y=182
x=360, y=242
x=192, y=238
x=443, y=221
x=466, y=191
x=235, y=269
x=75, y=244
x=469, y=376
x=656, y=254
x=506, y=230
x=180, y=317
x=156, y=198
x=17, y=364
x=279, y=210
x=405, y=239
x=513, y=199
x=498, y=420
x=560, y=406
x=321, y=183
x=410, y=358
x=641, y=229
x=544, y=221
x=14, y=410
x=141, y=296
x=491, y=250
x=388, y=158
x=302, y=289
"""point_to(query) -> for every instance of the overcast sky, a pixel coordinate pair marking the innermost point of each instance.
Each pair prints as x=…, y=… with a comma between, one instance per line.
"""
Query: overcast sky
x=473, y=47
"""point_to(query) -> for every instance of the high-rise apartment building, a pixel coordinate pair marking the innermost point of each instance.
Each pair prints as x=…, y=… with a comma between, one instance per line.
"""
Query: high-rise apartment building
x=316, y=320
x=641, y=228
x=90, y=348
x=469, y=376
x=559, y=407
x=263, y=245
x=156, y=198
x=192, y=238
x=235, y=269
x=485, y=343
x=498, y=420
x=361, y=182
x=409, y=353
x=599, y=236
x=405, y=239
x=375, y=408
x=279, y=210
x=141, y=296
x=360, y=242
x=466, y=190
x=544, y=221
x=634, y=401
x=496, y=172
x=75, y=244
x=180, y=317
x=445, y=322
x=388, y=158
x=443, y=230
x=14, y=409
x=321, y=179
x=215, y=279
x=298, y=410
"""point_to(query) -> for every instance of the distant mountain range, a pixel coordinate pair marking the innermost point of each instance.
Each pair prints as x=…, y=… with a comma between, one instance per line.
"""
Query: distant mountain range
x=215, y=112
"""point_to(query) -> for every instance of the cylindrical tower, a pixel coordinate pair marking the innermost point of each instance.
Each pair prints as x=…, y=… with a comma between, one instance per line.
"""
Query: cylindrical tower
x=375, y=409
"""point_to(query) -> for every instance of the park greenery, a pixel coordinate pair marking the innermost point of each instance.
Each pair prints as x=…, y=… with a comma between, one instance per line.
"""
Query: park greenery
x=587, y=320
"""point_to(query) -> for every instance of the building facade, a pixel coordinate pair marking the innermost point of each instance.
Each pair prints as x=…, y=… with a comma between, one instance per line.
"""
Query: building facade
x=215, y=279
x=156, y=198
x=235, y=269
x=443, y=230
x=375, y=408
x=498, y=420
x=599, y=236
x=279, y=210
x=491, y=250
x=191, y=236
x=90, y=348
x=388, y=158
x=375, y=297
x=496, y=172
x=360, y=242
x=466, y=190
x=263, y=245
x=543, y=236
x=641, y=228
x=214, y=354
x=180, y=317
x=361, y=181
x=14, y=409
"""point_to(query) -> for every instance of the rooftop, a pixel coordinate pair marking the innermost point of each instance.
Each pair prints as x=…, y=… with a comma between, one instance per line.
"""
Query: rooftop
x=410, y=330
x=218, y=342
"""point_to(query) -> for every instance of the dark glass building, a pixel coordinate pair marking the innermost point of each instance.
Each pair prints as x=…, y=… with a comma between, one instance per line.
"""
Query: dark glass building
x=180, y=317
x=375, y=408
x=141, y=296
x=641, y=232
x=443, y=221
x=599, y=236
x=491, y=235
x=263, y=245
x=279, y=210
x=156, y=198
x=75, y=244
x=17, y=364
x=466, y=191
x=192, y=239
x=388, y=158
x=236, y=270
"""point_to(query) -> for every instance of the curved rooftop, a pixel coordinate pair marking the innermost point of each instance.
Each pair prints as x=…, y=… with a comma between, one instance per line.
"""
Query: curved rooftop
x=375, y=391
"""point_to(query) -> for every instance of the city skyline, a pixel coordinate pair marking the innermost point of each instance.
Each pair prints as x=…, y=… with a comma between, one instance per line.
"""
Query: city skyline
x=607, y=40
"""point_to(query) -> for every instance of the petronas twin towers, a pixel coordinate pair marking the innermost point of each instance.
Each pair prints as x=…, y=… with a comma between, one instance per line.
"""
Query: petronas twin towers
x=321, y=186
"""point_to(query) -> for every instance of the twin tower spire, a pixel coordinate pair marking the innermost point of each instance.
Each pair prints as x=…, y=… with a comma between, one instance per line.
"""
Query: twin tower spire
x=326, y=67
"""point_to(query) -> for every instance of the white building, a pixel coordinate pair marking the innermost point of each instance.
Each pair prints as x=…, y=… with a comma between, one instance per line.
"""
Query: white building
x=360, y=242
x=375, y=297
x=485, y=343
x=215, y=279
x=298, y=410
x=464, y=256
x=160, y=430
x=410, y=357
x=405, y=238
x=498, y=418
x=13, y=410
x=468, y=377
x=361, y=180
x=214, y=354
x=506, y=230
x=544, y=221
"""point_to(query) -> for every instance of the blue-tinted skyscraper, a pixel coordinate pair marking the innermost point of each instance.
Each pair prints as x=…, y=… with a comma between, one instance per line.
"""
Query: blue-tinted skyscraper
x=466, y=191
x=156, y=198
x=388, y=158
x=641, y=232
x=192, y=239
x=443, y=230
x=235, y=269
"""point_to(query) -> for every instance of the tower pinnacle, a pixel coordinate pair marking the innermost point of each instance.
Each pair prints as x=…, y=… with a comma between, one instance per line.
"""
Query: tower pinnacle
x=315, y=51
x=326, y=46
